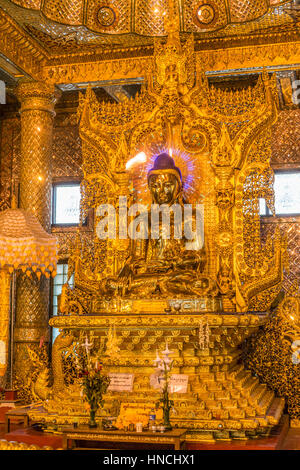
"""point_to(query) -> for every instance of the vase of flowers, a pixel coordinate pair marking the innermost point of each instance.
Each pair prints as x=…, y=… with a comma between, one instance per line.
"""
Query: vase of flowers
x=94, y=382
x=93, y=411
x=166, y=403
x=164, y=367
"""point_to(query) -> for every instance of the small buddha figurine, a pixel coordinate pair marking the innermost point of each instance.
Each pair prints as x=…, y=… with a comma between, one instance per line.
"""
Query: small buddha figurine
x=162, y=266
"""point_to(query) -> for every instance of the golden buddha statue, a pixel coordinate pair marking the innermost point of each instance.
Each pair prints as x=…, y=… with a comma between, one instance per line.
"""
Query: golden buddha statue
x=163, y=263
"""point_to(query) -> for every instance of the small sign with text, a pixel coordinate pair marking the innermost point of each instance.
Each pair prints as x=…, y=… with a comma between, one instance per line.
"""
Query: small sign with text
x=120, y=382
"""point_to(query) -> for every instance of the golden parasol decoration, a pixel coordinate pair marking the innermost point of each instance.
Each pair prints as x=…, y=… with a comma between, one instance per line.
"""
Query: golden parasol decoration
x=24, y=245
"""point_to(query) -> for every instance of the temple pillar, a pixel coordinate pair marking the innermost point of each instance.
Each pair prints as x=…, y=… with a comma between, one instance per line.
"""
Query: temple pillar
x=32, y=309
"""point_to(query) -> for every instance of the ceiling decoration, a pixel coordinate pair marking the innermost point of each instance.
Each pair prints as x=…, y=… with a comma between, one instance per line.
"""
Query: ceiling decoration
x=63, y=54
x=205, y=14
x=86, y=26
x=294, y=11
x=145, y=17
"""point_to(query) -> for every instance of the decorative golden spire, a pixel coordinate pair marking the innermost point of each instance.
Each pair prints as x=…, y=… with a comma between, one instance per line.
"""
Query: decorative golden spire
x=171, y=58
x=172, y=24
x=14, y=202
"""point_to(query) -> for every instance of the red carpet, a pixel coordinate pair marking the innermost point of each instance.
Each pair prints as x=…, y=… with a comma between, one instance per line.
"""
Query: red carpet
x=30, y=436
x=273, y=442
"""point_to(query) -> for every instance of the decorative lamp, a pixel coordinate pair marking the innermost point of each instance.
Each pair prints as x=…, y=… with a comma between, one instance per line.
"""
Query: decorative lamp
x=25, y=245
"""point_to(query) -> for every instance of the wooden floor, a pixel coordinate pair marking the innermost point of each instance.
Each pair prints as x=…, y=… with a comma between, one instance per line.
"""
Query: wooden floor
x=291, y=440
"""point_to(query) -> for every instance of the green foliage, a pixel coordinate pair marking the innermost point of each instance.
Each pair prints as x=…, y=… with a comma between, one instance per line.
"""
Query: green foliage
x=95, y=384
x=164, y=402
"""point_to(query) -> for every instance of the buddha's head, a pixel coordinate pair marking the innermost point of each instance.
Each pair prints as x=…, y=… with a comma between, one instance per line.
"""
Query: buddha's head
x=164, y=180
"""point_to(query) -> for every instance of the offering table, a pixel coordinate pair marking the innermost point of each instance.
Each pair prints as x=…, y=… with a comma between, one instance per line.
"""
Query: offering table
x=175, y=437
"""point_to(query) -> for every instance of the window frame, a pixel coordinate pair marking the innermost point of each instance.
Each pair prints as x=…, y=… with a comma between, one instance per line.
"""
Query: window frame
x=55, y=184
x=289, y=170
x=52, y=283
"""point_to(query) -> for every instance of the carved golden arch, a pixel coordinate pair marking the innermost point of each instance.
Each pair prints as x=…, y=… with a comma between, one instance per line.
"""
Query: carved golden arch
x=216, y=129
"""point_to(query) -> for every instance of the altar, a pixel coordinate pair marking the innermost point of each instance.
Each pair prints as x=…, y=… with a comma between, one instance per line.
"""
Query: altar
x=197, y=280
x=222, y=400
x=174, y=439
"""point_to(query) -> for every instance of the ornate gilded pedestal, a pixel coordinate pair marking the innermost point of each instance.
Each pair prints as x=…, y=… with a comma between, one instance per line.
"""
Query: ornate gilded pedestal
x=223, y=399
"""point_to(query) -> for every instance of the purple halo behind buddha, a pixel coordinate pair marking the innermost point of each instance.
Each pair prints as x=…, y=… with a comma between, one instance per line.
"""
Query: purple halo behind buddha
x=165, y=163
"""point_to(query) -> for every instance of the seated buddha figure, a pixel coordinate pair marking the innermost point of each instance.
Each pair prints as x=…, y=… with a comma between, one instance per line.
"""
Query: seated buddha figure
x=162, y=265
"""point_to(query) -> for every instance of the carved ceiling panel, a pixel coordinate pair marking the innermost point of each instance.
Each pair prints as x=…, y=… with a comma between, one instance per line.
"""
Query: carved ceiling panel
x=93, y=13
x=112, y=17
x=34, y=4
x=149, y=17
x=205, y=16
x=66, y=12
x=116, y=22
x=242, y=10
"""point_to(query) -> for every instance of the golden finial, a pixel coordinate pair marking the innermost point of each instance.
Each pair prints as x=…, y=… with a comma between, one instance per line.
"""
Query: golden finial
x=14, y=202
x=172, y=24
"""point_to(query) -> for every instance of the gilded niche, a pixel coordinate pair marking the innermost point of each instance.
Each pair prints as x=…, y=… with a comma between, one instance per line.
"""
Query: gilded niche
x=217, y=156
x=161, y=264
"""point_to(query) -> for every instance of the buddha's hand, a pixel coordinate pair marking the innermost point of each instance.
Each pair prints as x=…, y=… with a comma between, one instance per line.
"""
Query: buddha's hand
x=126, y=271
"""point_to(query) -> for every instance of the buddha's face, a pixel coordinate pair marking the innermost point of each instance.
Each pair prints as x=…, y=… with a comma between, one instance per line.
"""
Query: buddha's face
x=164, y=188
